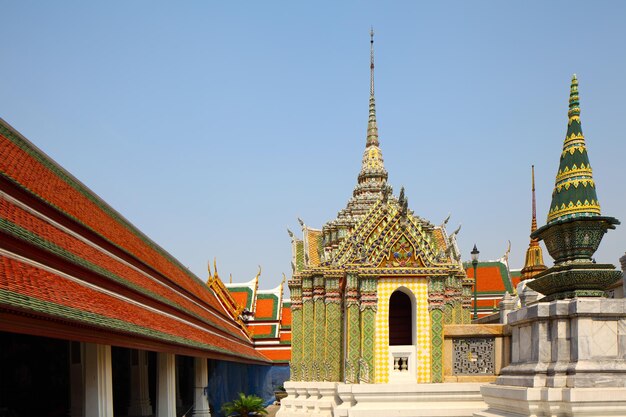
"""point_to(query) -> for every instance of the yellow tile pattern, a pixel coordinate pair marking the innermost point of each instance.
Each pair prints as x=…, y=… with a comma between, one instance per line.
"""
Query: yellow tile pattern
x=419, y=288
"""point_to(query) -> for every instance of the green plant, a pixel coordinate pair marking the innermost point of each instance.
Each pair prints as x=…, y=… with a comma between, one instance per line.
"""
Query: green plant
x=245, y=406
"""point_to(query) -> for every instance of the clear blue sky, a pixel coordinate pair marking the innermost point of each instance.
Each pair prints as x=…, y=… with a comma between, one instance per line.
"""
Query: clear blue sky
x=213, y=126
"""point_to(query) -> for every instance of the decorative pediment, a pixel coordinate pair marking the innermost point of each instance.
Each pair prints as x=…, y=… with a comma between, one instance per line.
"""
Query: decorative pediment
x=402, y=254
x=389, y=238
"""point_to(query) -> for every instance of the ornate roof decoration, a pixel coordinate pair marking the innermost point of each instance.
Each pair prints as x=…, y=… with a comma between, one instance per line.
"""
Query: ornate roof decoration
x=70, y=258
x=534, y=254
x=220, y=289
x=376, y=232
x=245, y=293
x=372, y=179
x=574, y=192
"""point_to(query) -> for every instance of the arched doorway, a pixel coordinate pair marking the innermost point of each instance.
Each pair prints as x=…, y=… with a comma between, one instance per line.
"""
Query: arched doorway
x=400, y=319
x=402, y=334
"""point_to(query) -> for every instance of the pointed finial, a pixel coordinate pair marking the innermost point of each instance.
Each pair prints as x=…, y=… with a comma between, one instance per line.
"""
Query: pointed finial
x=574, y=104
x=372, y=127
x=533, y=225
x=215, y=266
x=574, y=192
x=208, y=265
x=372, y=61
x=230, y=278
x=284, y=279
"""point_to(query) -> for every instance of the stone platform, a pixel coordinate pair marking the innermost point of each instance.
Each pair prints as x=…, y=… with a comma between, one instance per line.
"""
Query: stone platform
x=332, y=399
x=568, y=359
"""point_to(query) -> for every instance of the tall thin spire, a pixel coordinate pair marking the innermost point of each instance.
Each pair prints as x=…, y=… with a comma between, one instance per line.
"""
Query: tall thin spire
x=372, y=62
x=372, y=127
x=533, y=224
x=534, y=254
x=372, y=180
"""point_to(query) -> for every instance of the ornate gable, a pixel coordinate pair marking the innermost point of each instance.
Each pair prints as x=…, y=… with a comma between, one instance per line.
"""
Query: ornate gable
x=388, y=237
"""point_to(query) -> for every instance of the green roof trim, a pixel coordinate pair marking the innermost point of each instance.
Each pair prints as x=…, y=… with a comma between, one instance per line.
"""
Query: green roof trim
x=272, y=334
x=299, y=255
x=274, y=304
x=66, y=177
x=247, y=290
x=504, y=273
x=48, y=246
x=24, y=302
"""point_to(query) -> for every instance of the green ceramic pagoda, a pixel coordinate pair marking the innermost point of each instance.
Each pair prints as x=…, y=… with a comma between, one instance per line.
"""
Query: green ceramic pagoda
x=575, y=225
x=574, y=192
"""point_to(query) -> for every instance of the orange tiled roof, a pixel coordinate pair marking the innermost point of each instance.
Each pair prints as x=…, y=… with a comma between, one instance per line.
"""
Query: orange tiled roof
x=492, y=276
x=106, y=272
x=38, y=290
x=25, y=165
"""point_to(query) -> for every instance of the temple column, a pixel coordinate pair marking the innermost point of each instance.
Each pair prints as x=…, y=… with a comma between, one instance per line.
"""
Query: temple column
x=295, y=287
x=443, y=308
x=307, y=326
x=98, y=381
x=369, y=306
x=334, y=321
x=77, y=380
x=139, y=396
x=201, y=400
x=166, y=385
x=353, y=331
x=319, y=343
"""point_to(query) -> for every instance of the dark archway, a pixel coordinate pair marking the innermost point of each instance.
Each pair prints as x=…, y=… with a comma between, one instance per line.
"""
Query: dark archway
x=400, y=319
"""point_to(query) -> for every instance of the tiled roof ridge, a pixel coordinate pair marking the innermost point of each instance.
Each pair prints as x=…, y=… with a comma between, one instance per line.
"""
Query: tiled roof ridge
x=26, y=303
x=38, y=155
x=49, y=284
x=50, y=247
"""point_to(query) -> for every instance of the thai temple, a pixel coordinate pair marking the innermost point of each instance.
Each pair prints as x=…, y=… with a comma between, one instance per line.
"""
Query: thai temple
x=384, y=318
x=267, y=317
x=377, y=282
x=97, y=319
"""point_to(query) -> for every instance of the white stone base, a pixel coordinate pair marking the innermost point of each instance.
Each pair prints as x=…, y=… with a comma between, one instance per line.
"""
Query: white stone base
x=331, y=399
x=511, y=401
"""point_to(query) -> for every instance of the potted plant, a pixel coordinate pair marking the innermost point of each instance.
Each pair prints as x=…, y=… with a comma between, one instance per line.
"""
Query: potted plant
x=245, y=406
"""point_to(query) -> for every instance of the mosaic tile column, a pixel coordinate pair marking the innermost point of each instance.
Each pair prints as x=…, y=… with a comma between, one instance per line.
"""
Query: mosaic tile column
x=319, y=342
x=369, y=301
x=436, y=349
x=441, y=301
x=353, y=330
x=307, y=329
x=334, y=329
x=295, y=287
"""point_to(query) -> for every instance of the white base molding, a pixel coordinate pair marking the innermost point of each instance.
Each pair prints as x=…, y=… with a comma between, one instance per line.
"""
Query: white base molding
x=511, y=401
x=332, y=399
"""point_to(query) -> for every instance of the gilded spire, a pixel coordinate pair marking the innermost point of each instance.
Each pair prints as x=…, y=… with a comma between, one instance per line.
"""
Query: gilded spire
x=373, y=175
x=372, y=127
x=574, y=192
x=534, y=255
x=533, y=223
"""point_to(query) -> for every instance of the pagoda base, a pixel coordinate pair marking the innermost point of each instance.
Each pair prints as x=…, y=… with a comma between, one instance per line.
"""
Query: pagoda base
x=568, y=358
x=510, y=401
x=377, y=400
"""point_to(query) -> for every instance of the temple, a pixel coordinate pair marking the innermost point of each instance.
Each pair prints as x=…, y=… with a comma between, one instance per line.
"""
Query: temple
x=267, y=318
x=97, y=318
x=373, y=288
